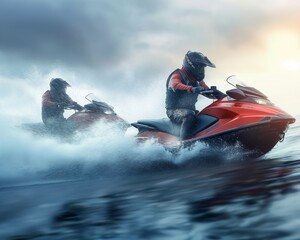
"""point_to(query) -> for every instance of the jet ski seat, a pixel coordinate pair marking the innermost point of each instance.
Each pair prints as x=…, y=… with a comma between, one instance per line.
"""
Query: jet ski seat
x=165, y=125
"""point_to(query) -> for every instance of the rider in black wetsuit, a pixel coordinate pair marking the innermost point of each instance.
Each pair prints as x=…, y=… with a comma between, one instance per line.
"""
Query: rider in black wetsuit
x=183, y=86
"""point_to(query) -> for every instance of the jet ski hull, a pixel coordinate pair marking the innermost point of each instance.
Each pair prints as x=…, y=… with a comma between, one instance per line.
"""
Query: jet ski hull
x=255, y=140
x=80, y=121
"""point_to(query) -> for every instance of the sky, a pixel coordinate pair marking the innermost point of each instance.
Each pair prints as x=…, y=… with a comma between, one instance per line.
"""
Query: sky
x=123, y=51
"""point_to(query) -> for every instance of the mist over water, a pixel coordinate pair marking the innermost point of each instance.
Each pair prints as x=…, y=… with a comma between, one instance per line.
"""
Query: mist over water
x=102, y=150
x=25, y=154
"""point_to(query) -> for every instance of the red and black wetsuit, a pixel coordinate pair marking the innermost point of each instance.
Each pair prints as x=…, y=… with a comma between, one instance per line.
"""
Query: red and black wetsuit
x=52, y=110
x=180, y=101
x=179, y=94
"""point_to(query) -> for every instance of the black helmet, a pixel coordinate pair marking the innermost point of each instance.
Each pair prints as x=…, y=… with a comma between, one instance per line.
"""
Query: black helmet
x=194, y=63
x=58, y=85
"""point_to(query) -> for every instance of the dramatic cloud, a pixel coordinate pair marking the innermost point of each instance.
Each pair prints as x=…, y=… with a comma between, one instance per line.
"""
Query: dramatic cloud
x=126, y=48
x=72, y=32
x=107, y=35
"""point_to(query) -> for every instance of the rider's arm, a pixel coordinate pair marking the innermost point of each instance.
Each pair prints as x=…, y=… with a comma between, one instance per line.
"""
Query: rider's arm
x=203, y=84
x=46, y=100
x=176, y=83
x=74, y=104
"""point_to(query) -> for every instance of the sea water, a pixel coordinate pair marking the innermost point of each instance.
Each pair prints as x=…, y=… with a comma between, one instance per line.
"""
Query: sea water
x=103, y=185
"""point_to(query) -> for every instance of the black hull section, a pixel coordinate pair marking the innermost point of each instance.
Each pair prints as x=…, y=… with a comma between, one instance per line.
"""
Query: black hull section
x=255, y=140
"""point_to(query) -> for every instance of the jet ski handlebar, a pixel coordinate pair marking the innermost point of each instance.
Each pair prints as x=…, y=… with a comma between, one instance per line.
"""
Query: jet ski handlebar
x=213, y=93
x=70, y=106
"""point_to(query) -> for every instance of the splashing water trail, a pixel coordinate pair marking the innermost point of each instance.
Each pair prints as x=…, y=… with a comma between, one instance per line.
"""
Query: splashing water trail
x=102, y=184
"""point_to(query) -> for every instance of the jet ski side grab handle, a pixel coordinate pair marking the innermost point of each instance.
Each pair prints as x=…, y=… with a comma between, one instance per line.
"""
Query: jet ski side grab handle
x=213, y=93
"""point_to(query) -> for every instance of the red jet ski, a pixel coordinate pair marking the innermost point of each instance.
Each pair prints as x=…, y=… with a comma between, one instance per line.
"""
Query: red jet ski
x=243, y=116
x=92, y=113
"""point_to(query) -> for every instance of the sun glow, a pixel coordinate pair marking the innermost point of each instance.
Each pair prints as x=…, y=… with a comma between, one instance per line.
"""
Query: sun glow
x=293, y=65
x=283, y=49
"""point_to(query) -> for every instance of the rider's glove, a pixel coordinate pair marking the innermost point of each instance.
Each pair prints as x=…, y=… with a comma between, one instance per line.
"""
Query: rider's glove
x=197, y=89
x=77, y=106
x=62, y=105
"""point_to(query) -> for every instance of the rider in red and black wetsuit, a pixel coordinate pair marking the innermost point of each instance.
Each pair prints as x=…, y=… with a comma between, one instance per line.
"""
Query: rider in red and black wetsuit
x=54, y=101
x=183, y=87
